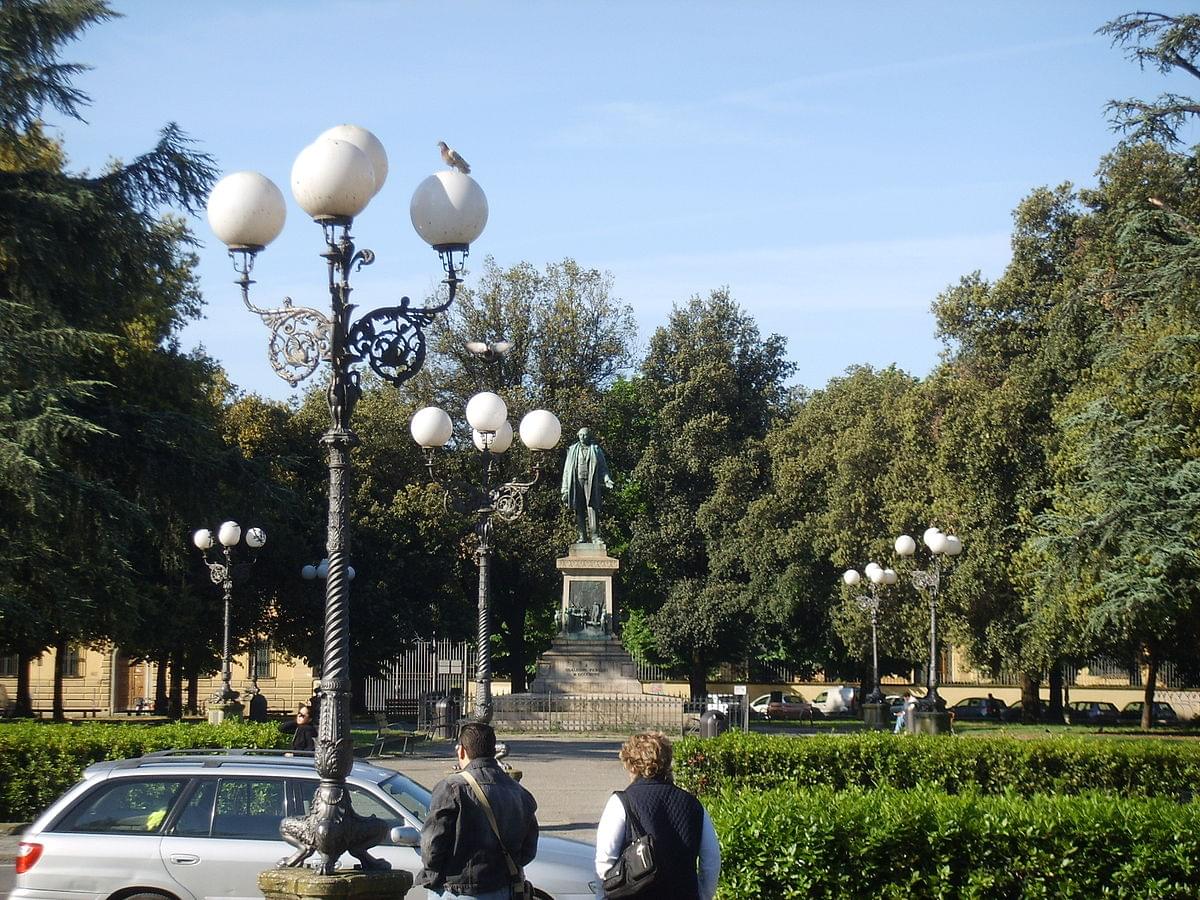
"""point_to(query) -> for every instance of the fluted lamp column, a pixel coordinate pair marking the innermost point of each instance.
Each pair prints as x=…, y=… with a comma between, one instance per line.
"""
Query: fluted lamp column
x=492, y=435
x=333, y=180
x=943, y=548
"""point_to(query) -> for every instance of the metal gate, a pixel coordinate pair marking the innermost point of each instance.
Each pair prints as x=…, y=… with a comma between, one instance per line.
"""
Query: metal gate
x=428, y=669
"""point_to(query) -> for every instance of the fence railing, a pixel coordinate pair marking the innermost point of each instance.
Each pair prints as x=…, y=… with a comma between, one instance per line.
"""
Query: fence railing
x=586, y=712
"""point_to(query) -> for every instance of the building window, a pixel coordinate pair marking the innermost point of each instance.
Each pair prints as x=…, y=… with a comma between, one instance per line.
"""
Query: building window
x=10, y=665
x=262, y=660
x=73, y=662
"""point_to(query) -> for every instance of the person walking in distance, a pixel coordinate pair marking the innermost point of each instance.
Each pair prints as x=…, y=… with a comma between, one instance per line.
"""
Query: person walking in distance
x=686, y=852
x=463, y=855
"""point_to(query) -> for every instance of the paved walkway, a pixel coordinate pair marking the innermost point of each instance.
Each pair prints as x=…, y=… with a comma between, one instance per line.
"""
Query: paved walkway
x=571, y=777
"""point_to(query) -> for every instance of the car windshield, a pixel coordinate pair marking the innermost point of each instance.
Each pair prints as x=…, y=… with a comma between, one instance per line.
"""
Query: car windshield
x=413, y=798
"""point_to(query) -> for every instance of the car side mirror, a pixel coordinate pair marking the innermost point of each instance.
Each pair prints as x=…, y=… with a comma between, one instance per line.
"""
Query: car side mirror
x=402, y=836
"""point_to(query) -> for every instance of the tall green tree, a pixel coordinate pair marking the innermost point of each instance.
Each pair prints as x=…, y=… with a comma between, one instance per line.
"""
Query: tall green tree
x=715, y=385
x=94, y=286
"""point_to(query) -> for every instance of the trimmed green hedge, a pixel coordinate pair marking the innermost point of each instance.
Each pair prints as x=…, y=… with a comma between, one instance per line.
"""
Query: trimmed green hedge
x=924, y=843
x=1063, y=765
x=38, y=762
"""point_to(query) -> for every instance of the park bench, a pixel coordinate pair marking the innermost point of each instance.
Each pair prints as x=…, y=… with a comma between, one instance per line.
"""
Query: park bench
x=85, y=711
x=397, y=724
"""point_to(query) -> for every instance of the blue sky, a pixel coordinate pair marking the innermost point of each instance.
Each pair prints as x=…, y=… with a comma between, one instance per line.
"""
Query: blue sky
x=836, y=165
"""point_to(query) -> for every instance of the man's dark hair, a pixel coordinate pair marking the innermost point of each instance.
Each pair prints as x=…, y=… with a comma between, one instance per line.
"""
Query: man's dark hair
x=478, y=740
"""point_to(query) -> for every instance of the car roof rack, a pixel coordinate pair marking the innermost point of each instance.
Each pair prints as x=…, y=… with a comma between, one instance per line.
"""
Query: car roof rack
x=217, y=756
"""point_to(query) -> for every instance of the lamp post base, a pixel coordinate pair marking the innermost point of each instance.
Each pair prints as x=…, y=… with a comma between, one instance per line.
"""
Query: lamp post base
x=878, y=715
x=219, y=712
x=308, y=884
x=930, y=722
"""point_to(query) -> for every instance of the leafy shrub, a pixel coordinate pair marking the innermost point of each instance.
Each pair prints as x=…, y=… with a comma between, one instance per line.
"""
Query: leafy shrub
x=924, y=843
x=40, y=761
x=985, y=765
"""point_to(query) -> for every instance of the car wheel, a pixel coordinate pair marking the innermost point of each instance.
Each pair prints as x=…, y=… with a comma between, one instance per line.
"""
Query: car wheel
x=148, y=895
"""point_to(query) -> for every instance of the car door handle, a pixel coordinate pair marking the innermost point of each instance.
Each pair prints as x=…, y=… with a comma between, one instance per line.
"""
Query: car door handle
x=184, y=859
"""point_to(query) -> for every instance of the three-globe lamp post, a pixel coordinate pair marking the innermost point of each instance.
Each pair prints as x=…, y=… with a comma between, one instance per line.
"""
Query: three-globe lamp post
x=492, y=435
x=333, y=180
x=878, y=577
x=943, y=548
x=223, y=572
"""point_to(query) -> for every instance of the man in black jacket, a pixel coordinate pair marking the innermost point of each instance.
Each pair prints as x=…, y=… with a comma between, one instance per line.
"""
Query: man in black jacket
x=460, y=854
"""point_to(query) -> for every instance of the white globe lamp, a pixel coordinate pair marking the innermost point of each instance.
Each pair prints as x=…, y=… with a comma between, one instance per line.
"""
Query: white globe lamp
x=540, y=430
x=431, y=427
x=246, y=211
x=332, y=179
x=486, y=411
x=448, y=209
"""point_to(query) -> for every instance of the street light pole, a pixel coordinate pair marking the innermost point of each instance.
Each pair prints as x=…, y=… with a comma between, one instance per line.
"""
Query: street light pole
x=223, y=573
x=878, y=577
x=487, y=414
x=333, y=180
x=928, y=583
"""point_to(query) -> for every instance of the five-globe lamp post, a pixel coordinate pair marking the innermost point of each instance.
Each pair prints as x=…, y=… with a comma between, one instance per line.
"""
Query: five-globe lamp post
x=943, y=548
x=492, y=435
x=223, y=573
x=879, y=577
x=333, y=180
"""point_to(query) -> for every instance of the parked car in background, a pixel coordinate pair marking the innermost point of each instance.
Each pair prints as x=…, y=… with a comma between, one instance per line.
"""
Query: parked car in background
x=1163, y=714
x=837, y=701
x=1016, y=712
x=184, y=825
x=979, y=709
x=1092, y=712
x=778, y=705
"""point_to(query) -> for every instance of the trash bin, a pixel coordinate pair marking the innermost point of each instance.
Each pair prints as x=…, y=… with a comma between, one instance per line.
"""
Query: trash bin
x=445, y=721
x=712, y=723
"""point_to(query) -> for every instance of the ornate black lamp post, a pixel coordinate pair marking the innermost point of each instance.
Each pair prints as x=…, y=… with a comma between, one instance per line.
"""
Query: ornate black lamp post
x=487, y=415
x=879, y=577
x=333, y=180
x=224, y=573
x=942, y=548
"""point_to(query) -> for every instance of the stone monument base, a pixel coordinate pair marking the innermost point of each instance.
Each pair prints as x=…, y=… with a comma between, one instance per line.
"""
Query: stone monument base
x=878, y=715
x=586, y=667
x=219, y=712
x=303, y=883
x=930, y=722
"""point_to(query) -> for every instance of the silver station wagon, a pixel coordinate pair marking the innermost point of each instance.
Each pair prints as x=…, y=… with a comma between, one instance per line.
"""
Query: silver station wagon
x=179, y=825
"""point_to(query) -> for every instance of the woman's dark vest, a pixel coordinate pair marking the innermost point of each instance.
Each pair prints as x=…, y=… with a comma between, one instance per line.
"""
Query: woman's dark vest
x=675, y=819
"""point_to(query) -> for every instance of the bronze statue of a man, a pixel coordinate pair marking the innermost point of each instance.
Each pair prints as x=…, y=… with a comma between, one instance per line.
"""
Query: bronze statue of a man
x=585, y=476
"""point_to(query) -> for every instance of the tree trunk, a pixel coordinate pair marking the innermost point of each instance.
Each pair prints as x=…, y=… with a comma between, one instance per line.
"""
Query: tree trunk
x=1148, y=693
x=24, y=708
x=358, y=698
x=193, y=692
x=698, y=678
x=1030, y=697
x=1054, y=710
x=160, y=688
x=60, y=658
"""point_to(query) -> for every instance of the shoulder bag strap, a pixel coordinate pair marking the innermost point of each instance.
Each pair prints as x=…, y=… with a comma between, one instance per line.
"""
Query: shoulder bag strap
x=631, y=818
x=513, y=869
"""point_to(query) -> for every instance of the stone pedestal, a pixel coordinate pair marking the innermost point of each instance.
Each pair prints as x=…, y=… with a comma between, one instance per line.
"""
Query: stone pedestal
x=586, y=667
x=219, y=712
x=878, y=715
x=585, y=657
x=930, y=722
x=587, y=610
x=303, y=883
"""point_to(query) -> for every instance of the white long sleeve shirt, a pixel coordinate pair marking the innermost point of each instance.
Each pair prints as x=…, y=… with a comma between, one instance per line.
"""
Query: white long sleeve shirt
x=610, y=841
